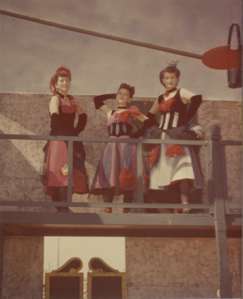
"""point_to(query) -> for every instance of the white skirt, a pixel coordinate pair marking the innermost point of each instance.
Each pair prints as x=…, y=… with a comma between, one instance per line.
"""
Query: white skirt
x=171, y=169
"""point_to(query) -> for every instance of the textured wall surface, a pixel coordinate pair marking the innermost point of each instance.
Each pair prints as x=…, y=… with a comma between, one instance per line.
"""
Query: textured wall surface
x=23, y=160
x=23, y=268
x=159, y=268
x=28, y=114
x=166, y=266
x=227, y=116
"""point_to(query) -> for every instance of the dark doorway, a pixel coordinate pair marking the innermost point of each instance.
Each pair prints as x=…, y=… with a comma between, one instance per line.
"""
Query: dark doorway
x=64, y=288
x=106, y=287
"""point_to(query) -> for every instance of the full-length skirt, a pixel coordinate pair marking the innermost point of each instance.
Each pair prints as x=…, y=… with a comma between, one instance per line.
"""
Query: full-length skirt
x=56, y=158
x=168, y=170
x=116, y=158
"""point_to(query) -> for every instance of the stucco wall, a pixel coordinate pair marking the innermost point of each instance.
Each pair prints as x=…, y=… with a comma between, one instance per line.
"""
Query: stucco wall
x=159, y=268
x=227, y=116
x=23, y=268
x=28, y=114
x=20, y=166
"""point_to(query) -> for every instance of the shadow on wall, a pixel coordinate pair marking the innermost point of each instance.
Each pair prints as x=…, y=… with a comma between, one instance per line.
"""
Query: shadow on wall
x=22, y=160
x=20, y=177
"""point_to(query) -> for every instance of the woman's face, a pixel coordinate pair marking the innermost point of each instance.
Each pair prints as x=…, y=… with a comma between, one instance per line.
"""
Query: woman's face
x=170, y=80
x=123, y=97
x=63, y=84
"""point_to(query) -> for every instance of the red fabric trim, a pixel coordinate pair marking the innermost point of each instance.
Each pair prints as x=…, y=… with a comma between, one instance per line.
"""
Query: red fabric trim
x=127, y=179
x=153, y=155
x=165, y=105
x=175, y=150
x=123, y=116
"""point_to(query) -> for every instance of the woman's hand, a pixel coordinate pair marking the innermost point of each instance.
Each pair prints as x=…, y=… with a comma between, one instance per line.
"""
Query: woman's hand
x=78, y=109
x=140, y=117
x=99, y=103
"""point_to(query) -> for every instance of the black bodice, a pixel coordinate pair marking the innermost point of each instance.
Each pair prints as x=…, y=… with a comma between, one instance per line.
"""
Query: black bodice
x=174, y=116
x=66, y=121
x=119, y=129
x=63, y=123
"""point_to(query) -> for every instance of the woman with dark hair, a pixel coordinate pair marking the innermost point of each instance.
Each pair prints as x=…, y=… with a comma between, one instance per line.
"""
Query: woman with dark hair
x=175, y=166
x=63, y=109
x=117, y=171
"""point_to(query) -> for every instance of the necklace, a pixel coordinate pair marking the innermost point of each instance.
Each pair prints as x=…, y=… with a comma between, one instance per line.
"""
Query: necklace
x=169, y=91
x=119, y=107
x=61, y=95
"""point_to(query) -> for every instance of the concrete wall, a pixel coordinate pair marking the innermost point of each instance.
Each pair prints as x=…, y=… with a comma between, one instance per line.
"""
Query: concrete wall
x=23, y=268
x=158, y=268
x=227, y=116
x=20, y=166
x=28, y=114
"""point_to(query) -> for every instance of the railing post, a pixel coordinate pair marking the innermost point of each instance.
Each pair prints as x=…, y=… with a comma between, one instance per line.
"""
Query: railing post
x=140, y=171
x=225, y=284
x=1, y=258
x=70, y=171
x=225, y=184
x=209, y=159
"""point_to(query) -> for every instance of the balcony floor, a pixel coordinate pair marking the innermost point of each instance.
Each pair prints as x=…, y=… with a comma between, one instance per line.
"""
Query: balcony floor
x=126, y=225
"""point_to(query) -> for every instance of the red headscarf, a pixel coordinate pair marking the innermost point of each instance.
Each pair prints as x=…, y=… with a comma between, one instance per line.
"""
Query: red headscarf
x=63, y=68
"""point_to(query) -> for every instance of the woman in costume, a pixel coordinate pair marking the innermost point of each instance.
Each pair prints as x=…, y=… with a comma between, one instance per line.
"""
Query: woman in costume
x=63, y=109
x=175, y=166
x=117, y=171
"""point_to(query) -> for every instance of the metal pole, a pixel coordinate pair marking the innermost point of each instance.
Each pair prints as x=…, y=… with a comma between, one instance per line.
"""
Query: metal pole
x=106, y=36
x=140, y=171
x=57, y=253
x=225, y=284
x=70, y=171
x=210, y=176
x=1, y=259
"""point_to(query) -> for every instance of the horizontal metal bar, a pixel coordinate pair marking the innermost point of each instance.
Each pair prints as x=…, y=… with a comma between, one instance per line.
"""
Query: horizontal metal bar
x=114, y=219
x=230, y=142
x=101, y=35
x=235, y=206
x=99, y=139
x=116, y=140
x=103, y=205
x=106, y=231
x=118, y=231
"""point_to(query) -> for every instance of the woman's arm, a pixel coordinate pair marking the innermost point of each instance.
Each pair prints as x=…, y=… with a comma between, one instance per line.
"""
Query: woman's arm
x=140, y=117
x=195, y=102
x=99, y=103
x=54, y=105
x=186, y=95
x=147, y=122
x=54, y=112
x=155, y=108
x=82, y=119
x=78, y=109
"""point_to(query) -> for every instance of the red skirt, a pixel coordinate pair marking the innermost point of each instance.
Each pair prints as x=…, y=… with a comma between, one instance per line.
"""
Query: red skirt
x=57, y=158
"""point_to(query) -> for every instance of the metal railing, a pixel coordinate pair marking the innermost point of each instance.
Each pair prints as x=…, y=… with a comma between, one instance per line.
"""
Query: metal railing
x=218, y=200
x=210, y=153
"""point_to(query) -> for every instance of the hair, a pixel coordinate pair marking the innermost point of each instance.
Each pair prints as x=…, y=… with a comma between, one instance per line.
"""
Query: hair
x=169, y=69
x=60, y=74
x=131, y=89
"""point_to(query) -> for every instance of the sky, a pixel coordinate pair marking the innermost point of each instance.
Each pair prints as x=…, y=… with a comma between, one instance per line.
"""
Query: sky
x=58, y=250
x=31, y=52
